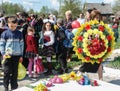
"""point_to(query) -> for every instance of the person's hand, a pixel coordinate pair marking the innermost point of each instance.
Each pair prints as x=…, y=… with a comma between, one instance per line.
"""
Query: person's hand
x=21, y=60
x=58, y=38
x=4, y=57
x=37, y=55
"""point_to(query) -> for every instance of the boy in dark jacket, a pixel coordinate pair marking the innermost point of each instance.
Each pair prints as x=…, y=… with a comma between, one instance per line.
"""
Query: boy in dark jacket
x=61, y=49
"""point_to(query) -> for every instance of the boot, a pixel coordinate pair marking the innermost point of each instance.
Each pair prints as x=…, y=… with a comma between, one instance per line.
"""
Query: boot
x=49, y=71
x=60, y=71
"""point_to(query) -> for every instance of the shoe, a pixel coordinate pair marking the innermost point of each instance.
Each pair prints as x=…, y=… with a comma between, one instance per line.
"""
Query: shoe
x=6, y=89
x=48, y=73
x=35, y=76
x=13, y=88
x=30, y=76
x=60, y=72
x=65, y=70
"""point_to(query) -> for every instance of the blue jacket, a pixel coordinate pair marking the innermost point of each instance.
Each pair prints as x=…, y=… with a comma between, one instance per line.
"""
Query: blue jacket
x=68, y=41
x=12, y=40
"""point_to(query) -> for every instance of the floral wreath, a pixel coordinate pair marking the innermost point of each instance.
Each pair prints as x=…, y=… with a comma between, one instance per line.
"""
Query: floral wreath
x=93, y=42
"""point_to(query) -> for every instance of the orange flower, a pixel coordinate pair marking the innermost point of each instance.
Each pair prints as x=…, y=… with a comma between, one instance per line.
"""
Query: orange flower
x=45, y=89
x=101, y=28
x=80, y=38
x=88, y=27
x=109, y=37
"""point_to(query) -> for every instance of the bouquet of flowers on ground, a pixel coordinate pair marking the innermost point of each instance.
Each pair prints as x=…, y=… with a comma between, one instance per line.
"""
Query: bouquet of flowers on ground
x=93, y=42
x=40, y=87
x=7, y=54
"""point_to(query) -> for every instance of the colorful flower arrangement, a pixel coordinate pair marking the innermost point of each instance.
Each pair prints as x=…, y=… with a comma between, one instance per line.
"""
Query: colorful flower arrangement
x=80, y=79
x=93, y=42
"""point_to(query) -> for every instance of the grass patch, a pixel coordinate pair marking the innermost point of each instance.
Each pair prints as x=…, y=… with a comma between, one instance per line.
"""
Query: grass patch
x=117, y=45
x=75, y=62
x=114, y=64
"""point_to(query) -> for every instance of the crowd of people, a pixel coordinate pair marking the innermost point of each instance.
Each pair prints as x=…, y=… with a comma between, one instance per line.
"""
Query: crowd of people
x=24, y=34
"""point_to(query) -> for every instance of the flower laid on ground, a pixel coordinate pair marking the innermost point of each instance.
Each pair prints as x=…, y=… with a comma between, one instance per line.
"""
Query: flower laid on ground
x=73, y=75
x=40, y=87
x=80, y=79
x=65, y=77
x=93, y=42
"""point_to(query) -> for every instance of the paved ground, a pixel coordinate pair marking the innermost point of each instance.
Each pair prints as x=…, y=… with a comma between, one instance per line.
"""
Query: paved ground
x=110, y=75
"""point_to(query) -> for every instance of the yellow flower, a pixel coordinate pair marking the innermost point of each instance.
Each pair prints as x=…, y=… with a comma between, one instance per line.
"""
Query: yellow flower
x=65, y=77
x=73, y=75
x=40, y=87
x=80, y=56
x=96, y=21
x=7, y=56
x=102, y=23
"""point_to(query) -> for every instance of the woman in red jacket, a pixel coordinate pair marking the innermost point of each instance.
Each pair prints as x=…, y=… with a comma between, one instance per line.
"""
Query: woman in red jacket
x=31, y=49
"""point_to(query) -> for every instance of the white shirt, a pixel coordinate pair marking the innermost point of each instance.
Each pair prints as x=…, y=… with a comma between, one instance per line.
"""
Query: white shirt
x=52, y=37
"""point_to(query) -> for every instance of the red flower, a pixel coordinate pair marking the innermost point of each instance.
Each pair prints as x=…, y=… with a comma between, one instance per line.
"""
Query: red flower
x=109, y=49
x=80, y=50
x=102, y=42
x=80, y=38
x=88, y=27
x=45, y=89
x=100, y=60
x=87, y=58
x=109, y=37
x=95, y=42
x=101, y=28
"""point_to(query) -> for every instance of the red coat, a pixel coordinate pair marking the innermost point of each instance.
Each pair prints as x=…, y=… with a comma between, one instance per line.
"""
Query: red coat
x=31, y=44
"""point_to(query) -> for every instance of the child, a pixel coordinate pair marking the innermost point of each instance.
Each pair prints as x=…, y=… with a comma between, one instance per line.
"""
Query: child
x=31, y=50
x=48, y=50
x=61, y=52
x=13, y=39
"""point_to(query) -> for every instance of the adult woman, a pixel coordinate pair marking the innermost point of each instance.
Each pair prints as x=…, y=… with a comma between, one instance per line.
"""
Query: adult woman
x=88, y=67
x=67, y=25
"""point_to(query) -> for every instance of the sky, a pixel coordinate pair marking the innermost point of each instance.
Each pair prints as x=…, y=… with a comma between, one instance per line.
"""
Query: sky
x=37, y=4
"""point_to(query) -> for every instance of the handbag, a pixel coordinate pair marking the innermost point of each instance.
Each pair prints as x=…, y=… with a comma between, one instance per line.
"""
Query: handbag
x=39, y=68
x=21, y=71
